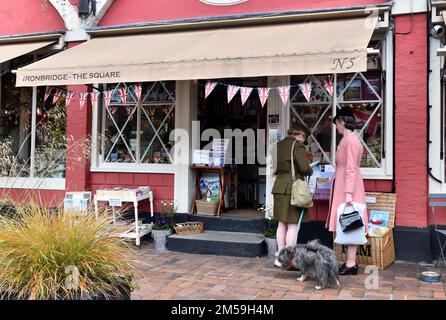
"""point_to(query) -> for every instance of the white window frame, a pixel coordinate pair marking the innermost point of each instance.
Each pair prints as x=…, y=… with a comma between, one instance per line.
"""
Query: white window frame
x=97, y=165
x=31, y=182
x=385, y=172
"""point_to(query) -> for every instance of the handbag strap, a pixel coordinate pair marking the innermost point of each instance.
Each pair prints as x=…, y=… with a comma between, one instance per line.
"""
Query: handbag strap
x=293, y=173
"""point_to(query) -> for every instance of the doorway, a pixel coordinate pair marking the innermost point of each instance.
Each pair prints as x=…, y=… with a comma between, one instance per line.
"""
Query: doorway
x=244, y=126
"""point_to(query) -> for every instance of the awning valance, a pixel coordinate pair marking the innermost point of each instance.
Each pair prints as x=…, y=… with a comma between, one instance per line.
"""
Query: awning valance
x=14, y=50
x=331, y=46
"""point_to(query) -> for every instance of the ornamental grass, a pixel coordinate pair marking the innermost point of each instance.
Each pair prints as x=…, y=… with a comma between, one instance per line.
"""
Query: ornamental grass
x=46, y=255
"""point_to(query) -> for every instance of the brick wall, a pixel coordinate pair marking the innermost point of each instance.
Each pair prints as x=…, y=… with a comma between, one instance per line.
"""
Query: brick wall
x=410, y=116
x=161, y=184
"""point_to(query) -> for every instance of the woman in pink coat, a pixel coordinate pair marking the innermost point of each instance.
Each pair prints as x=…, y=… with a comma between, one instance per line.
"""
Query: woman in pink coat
x=348, y=185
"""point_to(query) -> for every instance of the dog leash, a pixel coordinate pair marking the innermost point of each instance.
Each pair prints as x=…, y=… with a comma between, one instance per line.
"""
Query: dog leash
x=298, y=225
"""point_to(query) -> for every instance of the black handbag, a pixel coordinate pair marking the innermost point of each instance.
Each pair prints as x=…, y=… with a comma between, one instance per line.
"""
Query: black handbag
x=350, y=221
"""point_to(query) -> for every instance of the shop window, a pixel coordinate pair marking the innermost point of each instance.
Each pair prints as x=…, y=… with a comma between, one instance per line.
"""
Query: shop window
x=19, y=156
x=362, y=92
x=139, y=131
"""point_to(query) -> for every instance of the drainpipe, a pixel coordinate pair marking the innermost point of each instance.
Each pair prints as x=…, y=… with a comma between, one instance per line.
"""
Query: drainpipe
x=429, y=106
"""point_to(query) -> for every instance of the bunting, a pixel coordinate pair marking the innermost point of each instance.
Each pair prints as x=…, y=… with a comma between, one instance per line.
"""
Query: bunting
x=210, y=86
x=123, y=94
x=328, y=85
x=284, y=93
x=83, y=96
x=47, y=93
x=138, y=90
x=69, y=97
x=306, y=88
x=108, y=97
x=94, y=96
x=245, y=92
x=263, y=95
x=56, y=95
x=232, y=91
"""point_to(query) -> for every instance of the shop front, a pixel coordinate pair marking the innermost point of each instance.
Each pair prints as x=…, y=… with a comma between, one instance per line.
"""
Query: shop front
x=149, y=109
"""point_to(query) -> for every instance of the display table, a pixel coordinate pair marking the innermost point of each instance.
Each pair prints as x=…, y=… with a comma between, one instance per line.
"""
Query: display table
x=222, y=174
x=115, y=198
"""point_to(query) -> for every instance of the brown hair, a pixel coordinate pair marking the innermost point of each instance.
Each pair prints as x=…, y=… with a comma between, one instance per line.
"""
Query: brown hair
x=349, y=121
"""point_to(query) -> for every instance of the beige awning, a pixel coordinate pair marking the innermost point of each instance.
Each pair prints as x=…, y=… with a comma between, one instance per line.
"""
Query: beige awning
x=331, y=46
x=14, y=50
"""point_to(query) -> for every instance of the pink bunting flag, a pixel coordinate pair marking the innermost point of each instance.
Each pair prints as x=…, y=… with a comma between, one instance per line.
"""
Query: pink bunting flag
x=245, y=92
x=69, y=97
x=138, y=90
x=232, y=91
x=263, y=95
x=328, y=85
x=210, y=86
x=306, y=88
x=47, y=93
x=56, y=95
x=83, y=96
x=123, y=94
x=94, y=96
x=284, y=93
x=108, y=97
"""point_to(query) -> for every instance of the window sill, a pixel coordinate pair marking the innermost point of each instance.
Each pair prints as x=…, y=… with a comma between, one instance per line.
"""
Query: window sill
x=32, y=183
x=135, y=168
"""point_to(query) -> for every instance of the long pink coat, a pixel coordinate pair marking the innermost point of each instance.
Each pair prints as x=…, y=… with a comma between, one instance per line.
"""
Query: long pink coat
x=347, y=178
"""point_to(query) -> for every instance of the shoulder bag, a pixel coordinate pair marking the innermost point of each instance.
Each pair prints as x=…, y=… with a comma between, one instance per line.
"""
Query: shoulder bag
x=300, y=194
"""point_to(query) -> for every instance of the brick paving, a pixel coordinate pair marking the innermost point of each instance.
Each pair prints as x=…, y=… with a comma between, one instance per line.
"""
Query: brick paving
x=174, y=275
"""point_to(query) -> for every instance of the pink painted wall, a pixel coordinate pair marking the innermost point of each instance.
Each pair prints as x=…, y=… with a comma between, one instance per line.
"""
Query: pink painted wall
x=410, y=114
x=137, y=11
x=28, y=16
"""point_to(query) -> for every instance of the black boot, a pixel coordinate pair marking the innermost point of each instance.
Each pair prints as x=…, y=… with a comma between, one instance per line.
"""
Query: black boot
x=344, y=270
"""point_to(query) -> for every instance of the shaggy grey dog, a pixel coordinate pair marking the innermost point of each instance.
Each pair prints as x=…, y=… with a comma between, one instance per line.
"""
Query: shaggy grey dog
x=313, y=260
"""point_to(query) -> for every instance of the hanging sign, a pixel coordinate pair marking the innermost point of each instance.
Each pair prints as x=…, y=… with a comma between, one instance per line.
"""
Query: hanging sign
x=232, y=91
x=284, y=93
x=69, y=97
x=306, y=88
x=245, y=92
x=210, y=86
x=263, y=95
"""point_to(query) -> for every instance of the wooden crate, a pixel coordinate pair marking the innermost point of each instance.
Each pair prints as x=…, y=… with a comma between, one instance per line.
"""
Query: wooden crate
x=383, y=202
x=378, y=251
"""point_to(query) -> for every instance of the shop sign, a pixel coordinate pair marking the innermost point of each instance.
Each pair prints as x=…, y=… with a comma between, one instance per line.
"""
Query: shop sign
x=115, y=202
x=222, y=2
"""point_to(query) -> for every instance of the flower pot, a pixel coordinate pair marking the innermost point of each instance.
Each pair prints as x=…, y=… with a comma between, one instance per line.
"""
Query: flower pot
x=271, y=245
x=160, y=239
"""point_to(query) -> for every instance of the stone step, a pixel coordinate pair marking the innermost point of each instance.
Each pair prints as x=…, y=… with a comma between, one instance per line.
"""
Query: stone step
x=239, y=244
x=229, y=224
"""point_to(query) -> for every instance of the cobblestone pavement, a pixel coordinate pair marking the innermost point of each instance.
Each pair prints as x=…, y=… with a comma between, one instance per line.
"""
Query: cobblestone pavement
x=173, y=275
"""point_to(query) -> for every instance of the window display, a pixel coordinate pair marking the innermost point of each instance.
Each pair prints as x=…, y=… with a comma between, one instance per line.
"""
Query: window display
x=153, y=117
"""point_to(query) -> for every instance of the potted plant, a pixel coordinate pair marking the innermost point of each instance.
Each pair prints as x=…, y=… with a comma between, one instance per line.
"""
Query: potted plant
x=270, y=237
x=56, y=255
x=162, y=225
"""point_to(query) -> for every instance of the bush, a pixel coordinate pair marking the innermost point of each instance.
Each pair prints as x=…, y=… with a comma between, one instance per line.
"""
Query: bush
x=46, y=255
x=271, y=229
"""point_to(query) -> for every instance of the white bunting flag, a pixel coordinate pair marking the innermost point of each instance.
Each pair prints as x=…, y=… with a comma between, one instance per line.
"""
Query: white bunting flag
x=138, y=90
x=232, y=91
x=245, y=92
x=328, y=85
x=263, y=95
x=83, y=96
x=306, y=88
x=56, y=95
x=108, y=97
x=123, y=94
x=210, y=86
x=94, y=96
x=284, y=93
x=69, y=97
x=47, y=93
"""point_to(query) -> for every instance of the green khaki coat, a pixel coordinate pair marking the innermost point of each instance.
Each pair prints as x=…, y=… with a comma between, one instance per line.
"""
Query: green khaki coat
x=281, y=156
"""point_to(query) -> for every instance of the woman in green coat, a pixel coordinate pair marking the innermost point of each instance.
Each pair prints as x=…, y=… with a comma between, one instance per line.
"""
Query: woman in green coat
x=283, y=211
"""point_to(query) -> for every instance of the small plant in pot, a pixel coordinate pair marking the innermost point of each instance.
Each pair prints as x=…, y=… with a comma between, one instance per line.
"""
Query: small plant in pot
x=270, y=237
x=47, y=255
x=162, y=225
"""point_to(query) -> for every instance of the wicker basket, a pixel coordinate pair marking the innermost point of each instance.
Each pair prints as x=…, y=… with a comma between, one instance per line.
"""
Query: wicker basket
x=206, y=207
x=189, y=227
x=379, y=252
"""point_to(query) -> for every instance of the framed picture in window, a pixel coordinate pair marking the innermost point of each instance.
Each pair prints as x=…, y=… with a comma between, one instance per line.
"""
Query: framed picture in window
x=354, y=91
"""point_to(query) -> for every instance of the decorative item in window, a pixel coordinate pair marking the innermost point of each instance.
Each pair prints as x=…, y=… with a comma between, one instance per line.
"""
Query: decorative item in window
x=354, y=90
